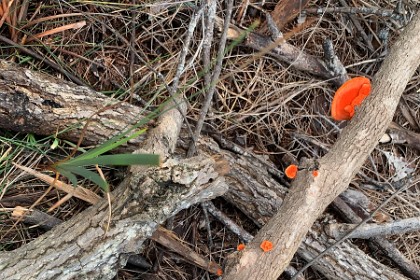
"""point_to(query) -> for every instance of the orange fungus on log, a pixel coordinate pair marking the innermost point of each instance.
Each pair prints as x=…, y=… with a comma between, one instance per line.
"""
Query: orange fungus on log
x=266, y=246
x=348, y=96
x=291, y=171
x=219, y=272
x=315, y=173
x=240, y=247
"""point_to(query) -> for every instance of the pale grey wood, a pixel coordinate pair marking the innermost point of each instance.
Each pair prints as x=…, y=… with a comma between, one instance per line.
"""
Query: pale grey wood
x=309, y=195
x=371, y=230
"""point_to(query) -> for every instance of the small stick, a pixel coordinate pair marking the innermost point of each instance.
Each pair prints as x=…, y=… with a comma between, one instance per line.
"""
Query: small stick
x=354, y=10
x=169, y=239
x=359, y=28
x=371, y=230
x=228, y=222
x=206, y=218
x=207, y=41
x=333, y=63
x=35, y=217
x=215, y=79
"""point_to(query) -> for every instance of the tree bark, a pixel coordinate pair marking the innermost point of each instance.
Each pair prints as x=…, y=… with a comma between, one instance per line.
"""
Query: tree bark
x=41, y=104
x=254, y=191
x=252, y=187
x=311, y=194
x=84, y=247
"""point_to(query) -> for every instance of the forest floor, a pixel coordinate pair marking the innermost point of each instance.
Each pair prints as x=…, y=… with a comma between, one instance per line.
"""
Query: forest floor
x=129, y=50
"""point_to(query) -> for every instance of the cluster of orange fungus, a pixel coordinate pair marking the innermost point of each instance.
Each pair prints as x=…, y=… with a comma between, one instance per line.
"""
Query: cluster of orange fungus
x=240, y=247
x=315, y=173
x=348, y=96
x=291, y=171
x=219, y=272
x=266, y=246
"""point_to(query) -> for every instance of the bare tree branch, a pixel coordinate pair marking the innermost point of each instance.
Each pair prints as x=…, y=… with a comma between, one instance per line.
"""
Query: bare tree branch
x=371, y=230
x=311, y=195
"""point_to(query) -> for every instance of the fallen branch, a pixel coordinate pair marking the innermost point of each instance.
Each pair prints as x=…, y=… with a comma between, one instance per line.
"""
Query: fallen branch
x=82, y=248
x=162, y=236
x=371, y=230
x=388, y=248
x=336, y=169
x=291, y=55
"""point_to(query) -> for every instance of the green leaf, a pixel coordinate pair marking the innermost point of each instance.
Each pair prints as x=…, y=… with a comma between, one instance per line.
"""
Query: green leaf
x=67, y=174
x=106, y=146
x=119, y=159
x=55, y=144
x=90, y=175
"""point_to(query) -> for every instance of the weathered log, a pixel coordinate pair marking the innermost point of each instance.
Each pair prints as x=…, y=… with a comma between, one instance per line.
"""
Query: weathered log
x=252, y=189
x=42, y=104
x=83, y=248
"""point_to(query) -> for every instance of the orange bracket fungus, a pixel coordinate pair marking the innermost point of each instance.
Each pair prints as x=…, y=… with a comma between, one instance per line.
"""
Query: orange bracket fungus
x=266, y=246
x=348, y=96
x=291, y=171
x=240, y=247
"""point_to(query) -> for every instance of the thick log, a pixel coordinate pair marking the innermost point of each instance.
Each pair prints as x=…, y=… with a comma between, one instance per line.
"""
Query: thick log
x=41, y=104
x=252, y=189
x=83, y=247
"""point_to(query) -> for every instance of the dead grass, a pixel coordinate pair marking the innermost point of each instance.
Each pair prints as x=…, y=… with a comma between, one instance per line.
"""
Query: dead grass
x=260, y=103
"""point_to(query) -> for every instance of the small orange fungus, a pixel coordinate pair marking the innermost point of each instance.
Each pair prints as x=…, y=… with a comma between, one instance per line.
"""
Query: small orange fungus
x=266, y=246
x=240, y=247
x=219, y=272
x=291, y=171
x=315, y=173
x=348, y=96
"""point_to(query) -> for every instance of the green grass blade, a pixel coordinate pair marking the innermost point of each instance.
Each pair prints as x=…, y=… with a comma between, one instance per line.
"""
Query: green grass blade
x=119, y=159
x=67, y=174
x=106, y=146
x=90, y=175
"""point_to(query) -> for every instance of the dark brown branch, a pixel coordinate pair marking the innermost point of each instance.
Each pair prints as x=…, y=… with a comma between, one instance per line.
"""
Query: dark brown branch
x=285, y=11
